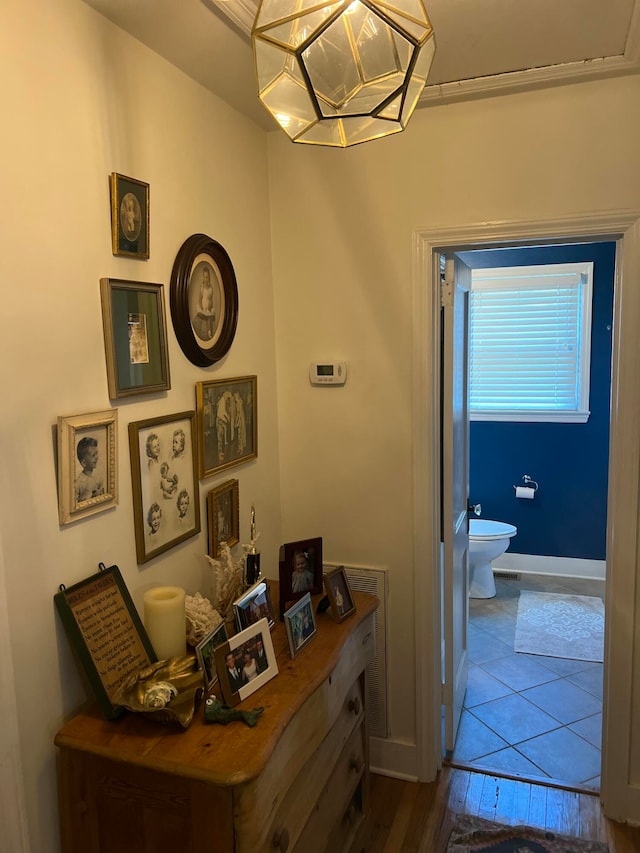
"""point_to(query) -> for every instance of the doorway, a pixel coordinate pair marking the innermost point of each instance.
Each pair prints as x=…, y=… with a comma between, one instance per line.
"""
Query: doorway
x=537, y=715
x=619, y=795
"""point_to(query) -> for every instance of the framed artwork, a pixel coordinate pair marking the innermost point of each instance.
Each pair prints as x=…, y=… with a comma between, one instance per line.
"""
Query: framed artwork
x=300, y=624
x=245, y=662
x=253, y=605
x=223, y=515
x=129, y=217
x=227, y=423
x=300, y=565
x=87, y=464
x=166, y=505
x=203, y=300
x=104, y=628
x=205, y=654
x=338, y=590
x=135, y=337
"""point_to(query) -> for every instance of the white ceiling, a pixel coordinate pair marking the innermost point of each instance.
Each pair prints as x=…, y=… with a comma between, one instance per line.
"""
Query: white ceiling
x=484, y=47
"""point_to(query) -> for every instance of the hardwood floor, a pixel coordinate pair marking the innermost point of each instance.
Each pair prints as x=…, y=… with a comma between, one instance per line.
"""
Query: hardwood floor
x=412, y=817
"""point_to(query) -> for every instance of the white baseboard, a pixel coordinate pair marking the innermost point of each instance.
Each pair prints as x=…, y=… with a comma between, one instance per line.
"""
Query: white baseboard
x=567, y=567
x=393, y=758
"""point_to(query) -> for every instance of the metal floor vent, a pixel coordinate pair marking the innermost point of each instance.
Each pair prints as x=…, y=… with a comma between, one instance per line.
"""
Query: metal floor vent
x=507, y=576
x=373, y=581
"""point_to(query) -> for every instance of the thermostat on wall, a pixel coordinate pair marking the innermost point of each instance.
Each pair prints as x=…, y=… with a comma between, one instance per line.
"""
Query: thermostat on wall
x=328, y=372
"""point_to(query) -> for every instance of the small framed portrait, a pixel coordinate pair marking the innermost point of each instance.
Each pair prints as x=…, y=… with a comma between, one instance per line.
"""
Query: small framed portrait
x=338, y=590
x=253, y=605
x=300, y=624
x=205, y=654
x=300, y=565
x=245, y=662
x=227, y=423
x=203, y=300
x=166, y=504
x=223, y=515
x=129, y=217
x=87, y=464
x=135, y=337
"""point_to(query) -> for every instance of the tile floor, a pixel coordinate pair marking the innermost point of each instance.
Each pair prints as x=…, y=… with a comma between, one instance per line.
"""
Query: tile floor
x=528, y=715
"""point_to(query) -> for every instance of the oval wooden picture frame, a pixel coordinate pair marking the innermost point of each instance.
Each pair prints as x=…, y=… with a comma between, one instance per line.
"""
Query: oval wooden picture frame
x=204, y=300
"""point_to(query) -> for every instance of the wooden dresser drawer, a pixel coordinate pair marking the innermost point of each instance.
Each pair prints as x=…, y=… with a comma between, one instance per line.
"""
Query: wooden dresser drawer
x=263, y=813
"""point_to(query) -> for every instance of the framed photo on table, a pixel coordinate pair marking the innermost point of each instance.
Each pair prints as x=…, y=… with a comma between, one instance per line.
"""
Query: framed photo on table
x=339, y=593
x=203, y=300
x=129, y=216
x=87, y=464
x=300, y=624
x=223, y=516
x=166, y=505
x=135, y=337
x=253, y=605
x=300, y=570
x=246, y=662
x=205, y=652
x=227, y=423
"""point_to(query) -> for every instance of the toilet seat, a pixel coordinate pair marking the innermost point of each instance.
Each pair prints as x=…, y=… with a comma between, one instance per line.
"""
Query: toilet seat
x=483, y=529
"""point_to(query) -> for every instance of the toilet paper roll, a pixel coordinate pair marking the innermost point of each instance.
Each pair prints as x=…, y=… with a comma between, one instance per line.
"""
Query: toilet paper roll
x=164, y=619
x=525, y=492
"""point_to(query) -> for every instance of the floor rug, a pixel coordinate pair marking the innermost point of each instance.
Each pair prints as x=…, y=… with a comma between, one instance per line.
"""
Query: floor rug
x=475, y=835
x=560, y=626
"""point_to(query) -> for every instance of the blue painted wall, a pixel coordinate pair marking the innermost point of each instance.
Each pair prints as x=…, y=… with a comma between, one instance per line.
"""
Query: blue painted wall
x=568, y=517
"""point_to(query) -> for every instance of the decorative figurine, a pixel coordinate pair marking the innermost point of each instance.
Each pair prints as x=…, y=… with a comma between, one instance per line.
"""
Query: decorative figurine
x=216, y=712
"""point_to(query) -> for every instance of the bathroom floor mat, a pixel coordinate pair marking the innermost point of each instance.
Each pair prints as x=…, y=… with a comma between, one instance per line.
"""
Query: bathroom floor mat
x=560, y=626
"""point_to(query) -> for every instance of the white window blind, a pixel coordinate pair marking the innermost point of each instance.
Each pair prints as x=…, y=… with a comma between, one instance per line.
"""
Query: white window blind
x=530, y=343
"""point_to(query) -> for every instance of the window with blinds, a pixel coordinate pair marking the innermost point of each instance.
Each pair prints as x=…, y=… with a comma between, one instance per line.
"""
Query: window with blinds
x=530, y=343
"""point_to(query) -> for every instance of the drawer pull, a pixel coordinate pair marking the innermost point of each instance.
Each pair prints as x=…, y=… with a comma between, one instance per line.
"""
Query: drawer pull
x=280, y=839
x=356, y=763
x=354, y=705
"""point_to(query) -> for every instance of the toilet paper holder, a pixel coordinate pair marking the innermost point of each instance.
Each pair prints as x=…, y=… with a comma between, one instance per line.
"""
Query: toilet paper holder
x=529, y=483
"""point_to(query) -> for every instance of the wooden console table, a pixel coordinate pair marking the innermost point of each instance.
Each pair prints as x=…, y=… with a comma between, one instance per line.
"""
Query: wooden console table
x=298, y=781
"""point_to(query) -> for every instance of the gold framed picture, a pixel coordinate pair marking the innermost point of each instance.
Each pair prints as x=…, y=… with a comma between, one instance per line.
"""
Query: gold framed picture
x=129, y=217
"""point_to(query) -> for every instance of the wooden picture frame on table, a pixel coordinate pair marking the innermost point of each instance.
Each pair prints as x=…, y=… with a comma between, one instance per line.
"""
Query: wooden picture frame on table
x=164, y=476
x=300, y=570
x=336, y=584
x=246, y=662
x=129, y=216
x=203, y=300
x=87, y=464
x=135, y=337
x=205, y=652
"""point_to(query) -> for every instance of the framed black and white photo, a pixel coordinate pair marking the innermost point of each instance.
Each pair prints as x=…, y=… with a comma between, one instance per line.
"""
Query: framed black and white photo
x=227, y=423
x=338, y=590
x=87, y=464
x=246, y=662
x=300, y=570
x=129, y=216
x=223, y=516
x=206, y=657
x=203, y=300
x=135, y=337
x=300, y=623
x=253, y=605
x=166, y=505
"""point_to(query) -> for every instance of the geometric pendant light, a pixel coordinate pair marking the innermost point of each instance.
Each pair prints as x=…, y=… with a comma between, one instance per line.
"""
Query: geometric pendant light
x=341, y=72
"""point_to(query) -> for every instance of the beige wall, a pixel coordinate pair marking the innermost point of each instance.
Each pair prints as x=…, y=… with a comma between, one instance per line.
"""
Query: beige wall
x=81, y=100
x=343, y=223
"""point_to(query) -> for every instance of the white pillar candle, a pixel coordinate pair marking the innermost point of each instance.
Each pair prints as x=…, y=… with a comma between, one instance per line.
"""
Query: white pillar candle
x=164, y=619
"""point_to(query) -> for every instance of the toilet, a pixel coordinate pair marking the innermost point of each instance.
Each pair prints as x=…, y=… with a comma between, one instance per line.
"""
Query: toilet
x=487, y=541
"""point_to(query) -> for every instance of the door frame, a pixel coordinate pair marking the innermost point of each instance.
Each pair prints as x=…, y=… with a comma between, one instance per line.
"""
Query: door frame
x=620, y=752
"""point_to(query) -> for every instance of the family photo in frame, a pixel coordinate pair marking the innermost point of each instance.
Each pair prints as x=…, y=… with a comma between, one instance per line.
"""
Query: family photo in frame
x=87, y=464
x=253, y=605
x=205, y=652
x=246, y=662
x=227, y=423
x=339, y=593
x=166, y=505
x=300, y=624
x=129, y=216
x=223, y=516
x=300, y=570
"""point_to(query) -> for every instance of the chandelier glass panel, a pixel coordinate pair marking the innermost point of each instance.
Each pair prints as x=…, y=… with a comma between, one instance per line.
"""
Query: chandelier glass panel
x=343, y=71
